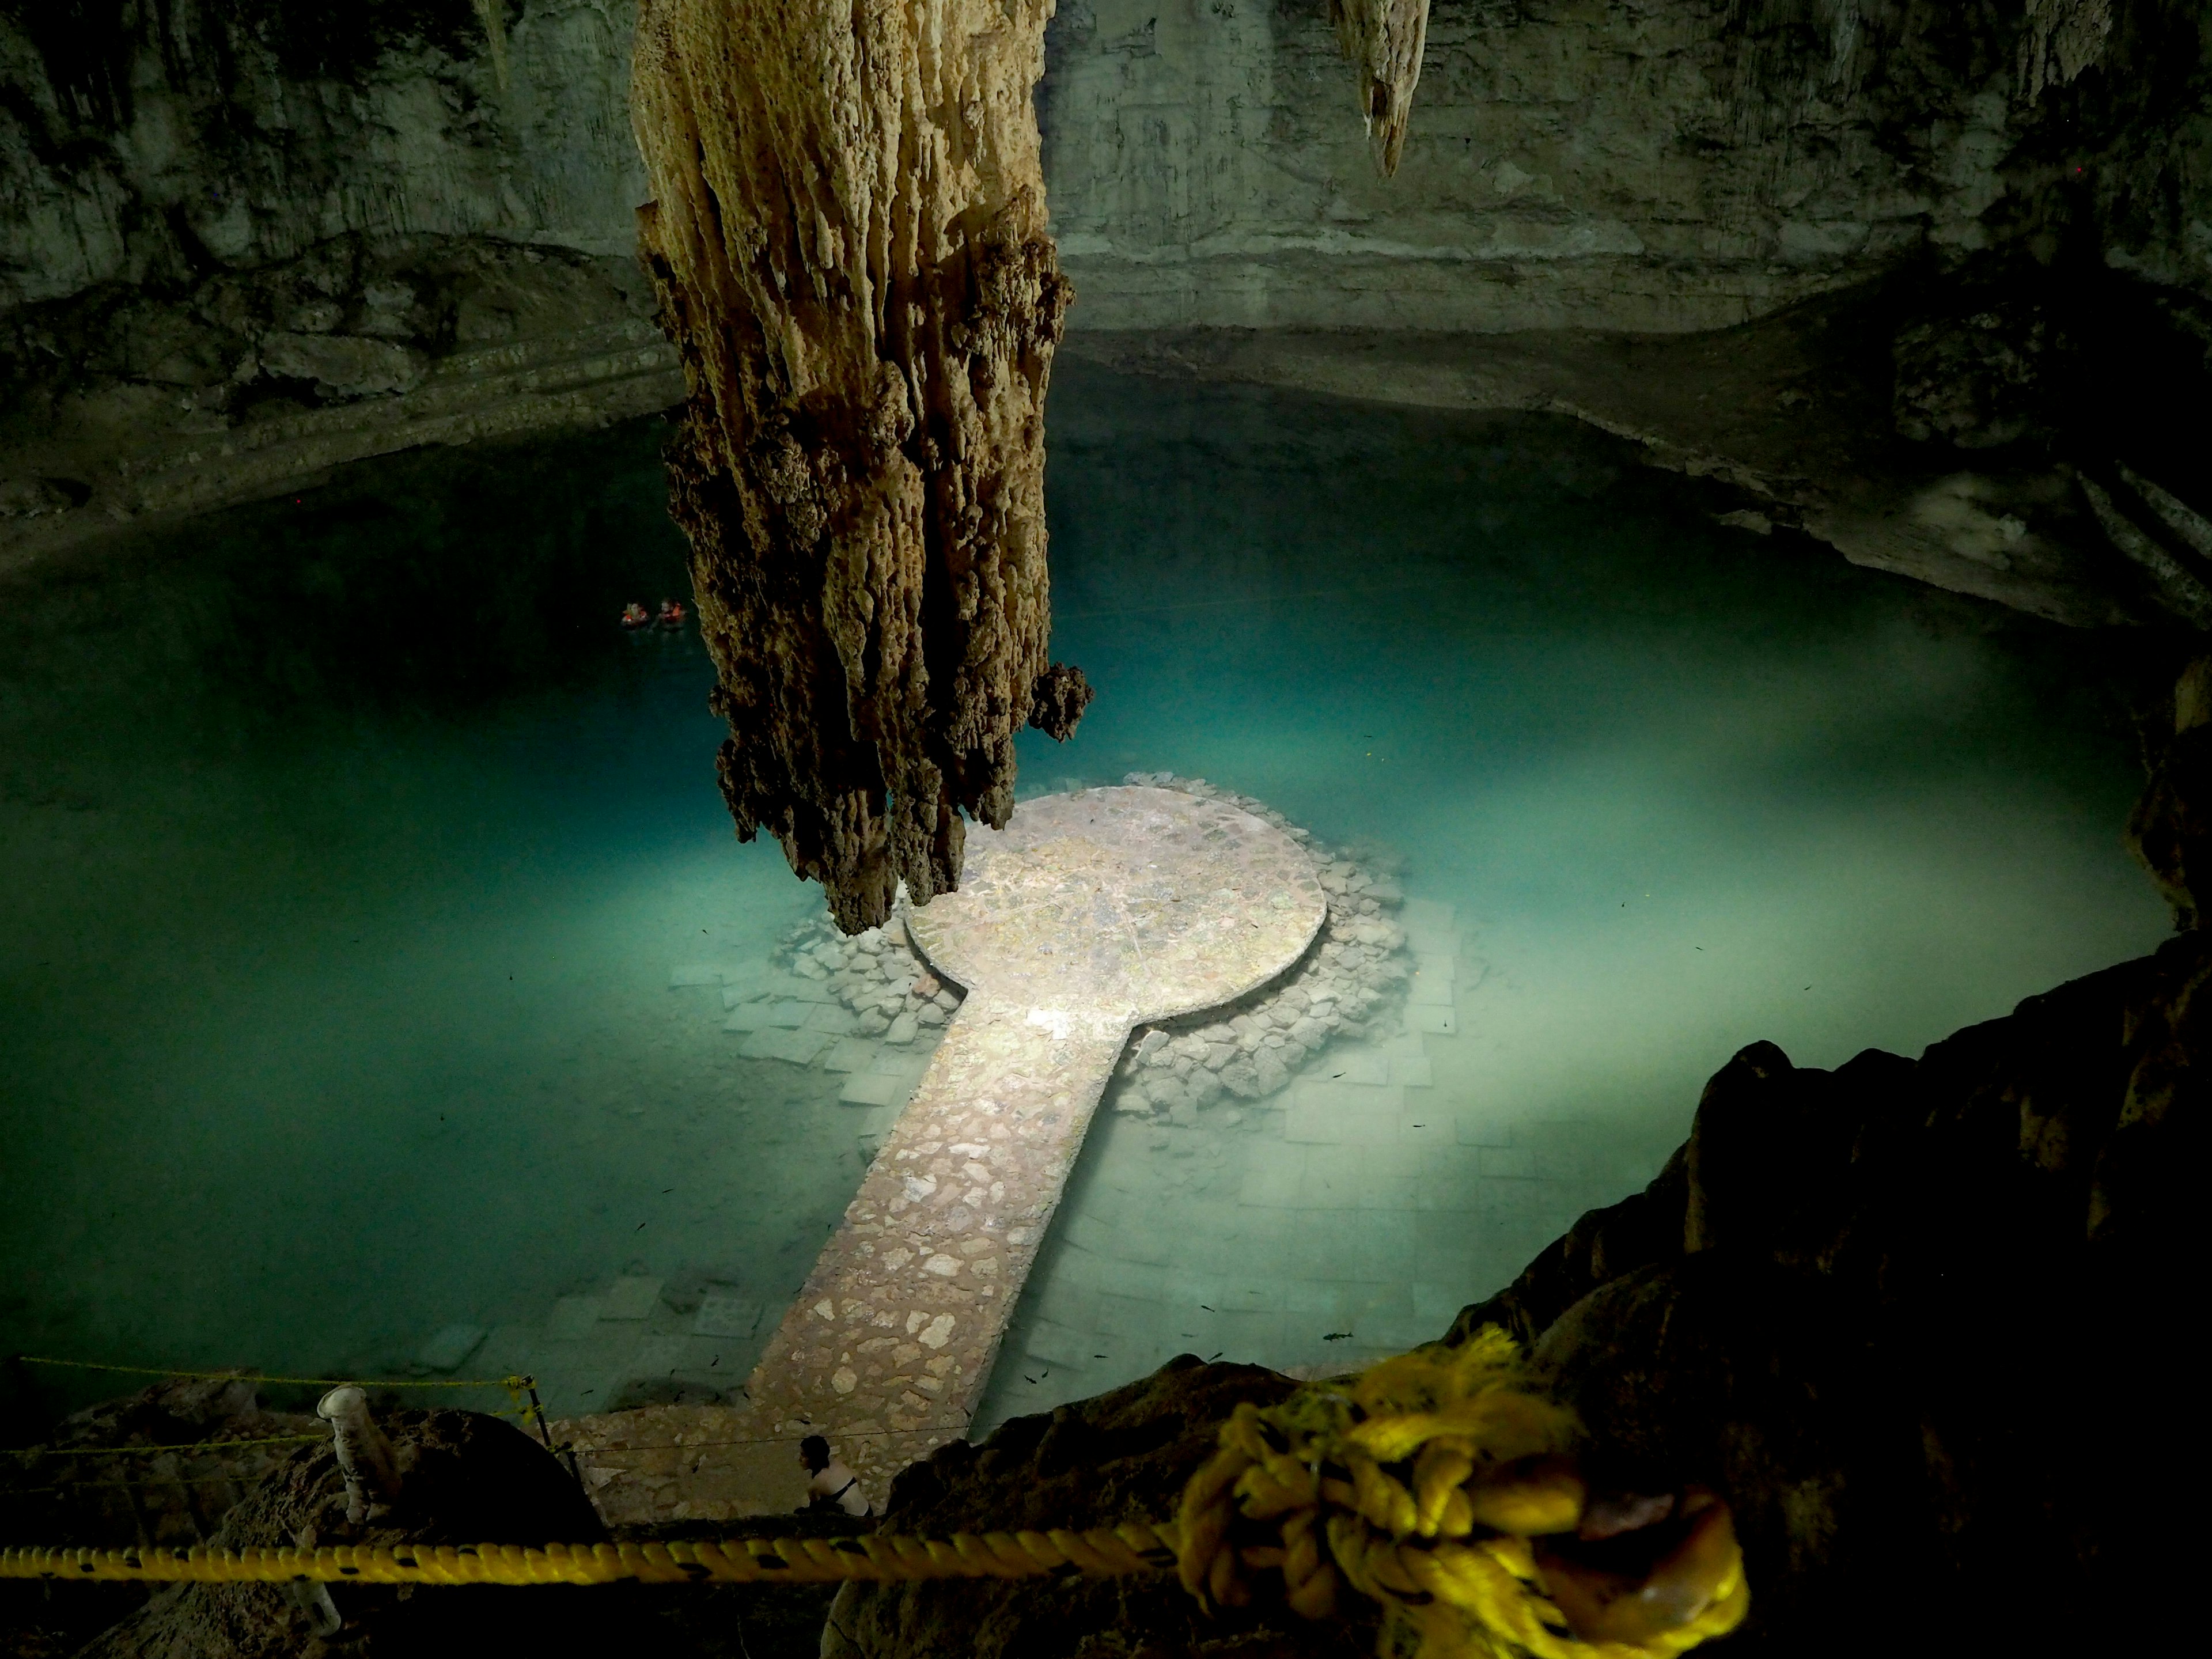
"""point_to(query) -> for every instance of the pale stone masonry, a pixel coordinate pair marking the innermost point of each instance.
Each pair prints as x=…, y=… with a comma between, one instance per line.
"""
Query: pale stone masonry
x=1090, y=915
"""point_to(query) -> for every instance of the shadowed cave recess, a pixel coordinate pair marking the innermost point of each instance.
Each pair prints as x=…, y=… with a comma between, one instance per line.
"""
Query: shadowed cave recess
x=1419, y=673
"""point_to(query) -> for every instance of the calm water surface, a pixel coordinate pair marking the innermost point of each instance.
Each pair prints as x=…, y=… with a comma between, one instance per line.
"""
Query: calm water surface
x=346, y=848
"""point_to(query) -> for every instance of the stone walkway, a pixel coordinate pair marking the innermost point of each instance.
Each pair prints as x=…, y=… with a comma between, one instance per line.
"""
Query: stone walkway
x=1091, y=914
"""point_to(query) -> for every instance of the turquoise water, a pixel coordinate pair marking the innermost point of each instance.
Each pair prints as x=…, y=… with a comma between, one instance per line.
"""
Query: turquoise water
x=349, y=848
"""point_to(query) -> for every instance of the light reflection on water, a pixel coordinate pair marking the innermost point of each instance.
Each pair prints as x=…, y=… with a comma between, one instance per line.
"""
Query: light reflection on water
x=348, y=848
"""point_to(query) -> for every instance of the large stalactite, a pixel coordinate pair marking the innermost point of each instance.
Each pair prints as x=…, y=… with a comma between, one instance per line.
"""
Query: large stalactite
x=849, y=241
x=1385, y=40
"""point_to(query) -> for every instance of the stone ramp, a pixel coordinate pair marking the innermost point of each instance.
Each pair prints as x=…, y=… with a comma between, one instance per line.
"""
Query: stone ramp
x=1090, y=915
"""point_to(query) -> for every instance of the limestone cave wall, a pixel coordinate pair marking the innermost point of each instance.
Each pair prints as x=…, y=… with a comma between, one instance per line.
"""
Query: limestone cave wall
x=242, y=239
x=1589, y=163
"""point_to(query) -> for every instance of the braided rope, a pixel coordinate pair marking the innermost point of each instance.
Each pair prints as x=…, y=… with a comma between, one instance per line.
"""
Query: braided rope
x=1133, y=1547
x=1421, y=1484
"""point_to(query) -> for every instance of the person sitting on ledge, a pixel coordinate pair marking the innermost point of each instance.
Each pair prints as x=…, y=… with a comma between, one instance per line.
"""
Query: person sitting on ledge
x=635, y=615
x=833, y=1484
x=671, y=614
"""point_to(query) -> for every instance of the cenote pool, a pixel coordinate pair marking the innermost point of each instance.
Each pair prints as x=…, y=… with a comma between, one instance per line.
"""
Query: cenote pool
x=348, y=852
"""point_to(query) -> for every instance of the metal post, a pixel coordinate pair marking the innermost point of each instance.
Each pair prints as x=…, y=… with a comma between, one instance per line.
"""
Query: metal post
x=364, y=1455
x=566, y=1451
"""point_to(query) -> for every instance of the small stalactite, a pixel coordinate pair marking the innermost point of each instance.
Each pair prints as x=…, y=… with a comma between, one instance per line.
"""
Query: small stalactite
x=848, y=240
x=1383, y=41
x=492, y=14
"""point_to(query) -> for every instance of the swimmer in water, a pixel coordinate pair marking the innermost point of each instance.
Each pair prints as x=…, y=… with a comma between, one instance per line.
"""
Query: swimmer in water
x=634, y=615
x=671, y=614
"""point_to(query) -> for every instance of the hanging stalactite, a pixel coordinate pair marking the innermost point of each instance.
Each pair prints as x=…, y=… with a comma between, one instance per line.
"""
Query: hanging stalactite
x=1383, y=41
x=849, y=240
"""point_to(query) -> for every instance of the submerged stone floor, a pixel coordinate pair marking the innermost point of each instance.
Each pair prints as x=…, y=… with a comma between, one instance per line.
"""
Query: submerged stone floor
x=1092, y=914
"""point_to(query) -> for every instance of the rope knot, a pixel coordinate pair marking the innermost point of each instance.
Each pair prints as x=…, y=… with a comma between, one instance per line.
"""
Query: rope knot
x=1440, y=1485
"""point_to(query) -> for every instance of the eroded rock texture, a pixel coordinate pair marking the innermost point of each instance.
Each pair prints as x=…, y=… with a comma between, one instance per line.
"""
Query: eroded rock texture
x=848, y=237
x=466, y=1478
x=1383, y=41
x=1925, y=1321
x=1124, y=1455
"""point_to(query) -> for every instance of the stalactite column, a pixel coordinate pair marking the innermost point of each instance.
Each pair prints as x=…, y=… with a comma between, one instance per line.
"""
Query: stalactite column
x=1383, y=41
x=848, y=239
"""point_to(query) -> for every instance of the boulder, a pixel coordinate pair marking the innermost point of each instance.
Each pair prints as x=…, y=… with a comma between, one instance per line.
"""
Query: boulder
x=1123, y=1455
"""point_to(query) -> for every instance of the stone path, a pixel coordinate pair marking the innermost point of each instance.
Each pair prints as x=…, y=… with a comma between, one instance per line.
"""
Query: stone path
x=1091, y=914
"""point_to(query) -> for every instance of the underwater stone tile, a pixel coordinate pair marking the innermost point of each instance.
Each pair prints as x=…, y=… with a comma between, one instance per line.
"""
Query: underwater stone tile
x=1151, y=1244
x=1432, y=914
x=1275, y=1187
x=1332, y=1183
x=849, y=1053
x=631, y=1297
x=1509, y=1163
x=1432, y=1021
x=1251, y=1296
x=750, y=1017
x=1191, y=1287
x=1429, y=990
x=449, y=1345
x=872, y=1089
x=1061, y=1344
x=1413, y=1071
x=1129, y=1316
x=1389, y=1192
x=799, y=1047
x=1360, y=1065
x=790, y=1015
x=1435, y=1129
x=830, y=1018
x=574, y=1317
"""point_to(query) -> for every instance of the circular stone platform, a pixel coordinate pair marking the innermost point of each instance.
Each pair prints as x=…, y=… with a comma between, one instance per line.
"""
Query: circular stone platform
x=1131, y=902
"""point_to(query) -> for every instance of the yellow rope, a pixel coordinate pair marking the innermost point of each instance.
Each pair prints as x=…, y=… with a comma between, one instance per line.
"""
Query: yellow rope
x=1135, y=1547
x=1431, y=1484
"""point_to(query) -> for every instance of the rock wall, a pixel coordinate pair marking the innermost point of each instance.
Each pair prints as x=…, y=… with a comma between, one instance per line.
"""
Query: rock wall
x=1588, y=163
x=150, y=142
x=242, y=239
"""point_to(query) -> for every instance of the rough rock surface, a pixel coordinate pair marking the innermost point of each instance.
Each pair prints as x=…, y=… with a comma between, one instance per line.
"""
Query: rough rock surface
x=848, y=239
x=240, y=243
x=1591, y=164
x=1916, y=1318
x=1124, y=1455
x=2170, y=829
x=65, y=1490
x=466, y=1478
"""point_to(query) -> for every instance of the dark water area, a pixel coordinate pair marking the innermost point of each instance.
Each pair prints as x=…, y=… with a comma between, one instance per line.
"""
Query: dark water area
x=349, y=850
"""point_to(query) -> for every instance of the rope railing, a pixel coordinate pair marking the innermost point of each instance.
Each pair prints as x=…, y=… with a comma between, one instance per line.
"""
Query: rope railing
x=1436, y=1484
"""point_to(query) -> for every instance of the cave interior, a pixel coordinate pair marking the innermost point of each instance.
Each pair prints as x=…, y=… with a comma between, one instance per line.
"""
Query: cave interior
x=983, y=726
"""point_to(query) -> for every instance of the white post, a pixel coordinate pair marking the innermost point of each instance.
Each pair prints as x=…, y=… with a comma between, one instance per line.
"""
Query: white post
x=364, y=1455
